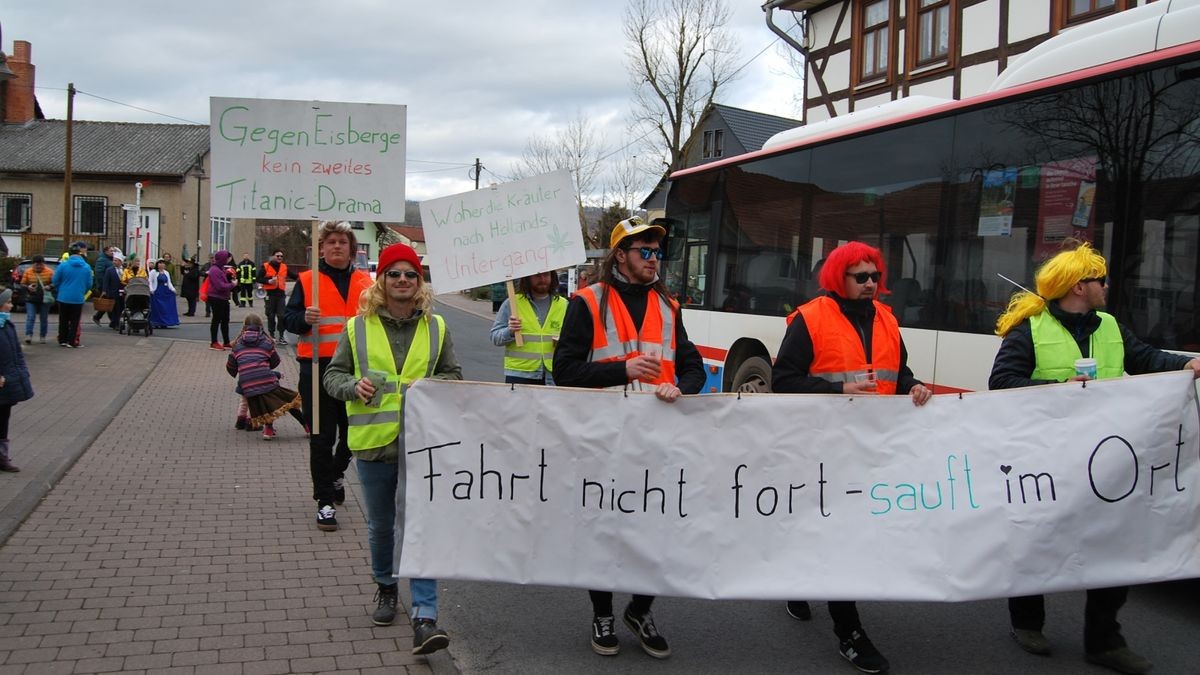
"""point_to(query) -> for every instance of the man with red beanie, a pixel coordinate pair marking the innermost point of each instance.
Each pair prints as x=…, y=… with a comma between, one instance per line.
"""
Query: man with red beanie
x=319, y=328
x=394, y=340
x=847, y=342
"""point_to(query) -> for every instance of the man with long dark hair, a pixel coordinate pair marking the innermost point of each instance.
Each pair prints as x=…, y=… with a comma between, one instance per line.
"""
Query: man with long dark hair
x=641, y=343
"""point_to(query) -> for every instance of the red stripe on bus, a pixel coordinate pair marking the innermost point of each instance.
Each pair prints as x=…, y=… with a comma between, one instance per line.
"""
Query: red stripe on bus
x=712, y=353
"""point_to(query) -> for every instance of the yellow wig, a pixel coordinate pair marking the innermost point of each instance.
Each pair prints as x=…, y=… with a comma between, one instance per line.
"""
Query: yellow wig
x=1053, y=280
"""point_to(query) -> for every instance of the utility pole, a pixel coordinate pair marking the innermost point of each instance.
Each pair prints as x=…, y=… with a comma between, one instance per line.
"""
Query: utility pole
x=67, y=168
x=475, y=171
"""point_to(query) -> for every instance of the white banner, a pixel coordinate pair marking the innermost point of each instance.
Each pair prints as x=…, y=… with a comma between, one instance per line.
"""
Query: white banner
x=783, y=496
x=305, y=159
x=504, y=232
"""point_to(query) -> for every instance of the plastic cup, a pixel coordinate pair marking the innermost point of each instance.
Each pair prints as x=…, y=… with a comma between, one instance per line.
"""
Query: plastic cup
x=867, y=378
x=378, y=379
x=1086, y=367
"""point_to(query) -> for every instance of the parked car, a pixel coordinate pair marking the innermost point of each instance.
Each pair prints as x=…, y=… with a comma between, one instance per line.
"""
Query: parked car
x=20, y=293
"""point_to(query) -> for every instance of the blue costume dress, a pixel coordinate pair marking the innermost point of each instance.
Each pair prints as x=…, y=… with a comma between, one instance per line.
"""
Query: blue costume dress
x=163, y=310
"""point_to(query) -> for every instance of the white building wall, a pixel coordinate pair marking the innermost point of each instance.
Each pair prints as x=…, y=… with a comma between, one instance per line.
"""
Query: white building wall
x=822, y=24
x=837, y=73
x=977, y=79
x=943, y=87
x=980, y=27
x=1028, y=18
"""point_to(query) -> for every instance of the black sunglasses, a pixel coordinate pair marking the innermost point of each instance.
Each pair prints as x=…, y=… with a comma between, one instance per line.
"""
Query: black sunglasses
x=1103, y=280
x=648, y=253
x=861, y=277
x=407, y=274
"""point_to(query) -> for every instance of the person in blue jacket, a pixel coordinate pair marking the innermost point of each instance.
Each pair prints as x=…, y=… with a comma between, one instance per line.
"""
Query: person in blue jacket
x=73, y=281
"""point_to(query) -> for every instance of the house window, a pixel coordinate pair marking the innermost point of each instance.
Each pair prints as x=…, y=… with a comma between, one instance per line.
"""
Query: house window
x=1069, y=12
x=16, y=212
x=931, y=30
x=220, y=233
x=874, y=46
x=714, y=144
x=91, y=215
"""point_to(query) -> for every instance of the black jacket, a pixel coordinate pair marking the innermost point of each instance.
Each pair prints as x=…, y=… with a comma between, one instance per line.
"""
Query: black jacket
x=791, y=372
x=17, y=386
x=573, y=369
x=1016, y=361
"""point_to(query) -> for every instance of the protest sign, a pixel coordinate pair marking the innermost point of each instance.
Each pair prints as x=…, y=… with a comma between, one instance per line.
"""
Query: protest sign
x=990, y=494
x=307, y=159
x=502, y=233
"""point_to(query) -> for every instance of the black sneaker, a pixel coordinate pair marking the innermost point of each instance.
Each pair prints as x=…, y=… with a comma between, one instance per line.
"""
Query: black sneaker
x=1122, y=660
x=643, y=626
x=604, y=640
x=863, y=655
x=339, y=491
x=799, y=610
x=427, y=637
x=385, y=610
x=327, y=518
x=282, y=340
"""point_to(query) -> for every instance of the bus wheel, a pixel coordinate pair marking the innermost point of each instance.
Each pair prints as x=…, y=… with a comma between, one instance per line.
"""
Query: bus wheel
x=753, y=376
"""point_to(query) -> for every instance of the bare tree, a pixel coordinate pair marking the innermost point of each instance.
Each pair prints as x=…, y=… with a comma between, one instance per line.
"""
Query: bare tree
x=579, y=148
x=627, y=182
x=680, y=55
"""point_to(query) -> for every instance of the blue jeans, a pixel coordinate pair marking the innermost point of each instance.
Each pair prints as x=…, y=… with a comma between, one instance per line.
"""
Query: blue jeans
x=43, y=310
x=383, y=488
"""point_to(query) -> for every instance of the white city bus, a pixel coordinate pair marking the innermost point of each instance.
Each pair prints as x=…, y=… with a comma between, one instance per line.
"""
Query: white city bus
x=1094, y=134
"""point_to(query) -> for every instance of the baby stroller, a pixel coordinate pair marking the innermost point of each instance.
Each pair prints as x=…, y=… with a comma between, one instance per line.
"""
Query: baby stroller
x=136, y=315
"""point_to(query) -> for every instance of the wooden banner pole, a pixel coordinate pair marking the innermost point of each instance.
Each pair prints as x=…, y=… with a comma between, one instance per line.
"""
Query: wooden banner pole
x=315, y=284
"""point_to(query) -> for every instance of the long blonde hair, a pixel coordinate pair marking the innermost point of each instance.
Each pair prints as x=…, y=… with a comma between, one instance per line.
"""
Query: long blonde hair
x=375, y=297
x=1053, y=280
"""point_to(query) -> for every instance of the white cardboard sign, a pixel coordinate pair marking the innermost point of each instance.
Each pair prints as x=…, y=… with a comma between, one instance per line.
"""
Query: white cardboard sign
x=307, y=159
x=505, y=232
x=993, y=494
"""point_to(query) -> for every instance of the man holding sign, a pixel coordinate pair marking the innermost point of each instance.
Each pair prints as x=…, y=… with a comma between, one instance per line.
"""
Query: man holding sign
x=1045, y=336
x=340, y=285
x=536, y=312
x=627, y=331
x=394, y=340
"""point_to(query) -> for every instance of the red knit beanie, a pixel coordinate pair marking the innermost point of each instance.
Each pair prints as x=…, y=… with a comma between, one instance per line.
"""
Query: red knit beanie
x=394, y=254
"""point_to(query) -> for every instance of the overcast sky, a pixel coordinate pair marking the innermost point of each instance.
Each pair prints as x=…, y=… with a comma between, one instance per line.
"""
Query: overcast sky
x=478, y=78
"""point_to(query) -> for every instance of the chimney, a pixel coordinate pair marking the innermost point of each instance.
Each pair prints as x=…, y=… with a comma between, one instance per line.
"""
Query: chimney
x=19, y=100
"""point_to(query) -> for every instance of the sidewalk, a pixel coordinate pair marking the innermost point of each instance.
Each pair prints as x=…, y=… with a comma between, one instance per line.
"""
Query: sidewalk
x=145, y=534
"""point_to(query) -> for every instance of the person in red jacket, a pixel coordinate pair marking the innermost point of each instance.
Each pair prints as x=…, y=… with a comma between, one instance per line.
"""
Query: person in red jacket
x=847, y=342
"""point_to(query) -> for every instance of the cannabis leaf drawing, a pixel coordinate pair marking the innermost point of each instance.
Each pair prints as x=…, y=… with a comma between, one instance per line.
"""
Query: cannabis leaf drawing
x=558, y=240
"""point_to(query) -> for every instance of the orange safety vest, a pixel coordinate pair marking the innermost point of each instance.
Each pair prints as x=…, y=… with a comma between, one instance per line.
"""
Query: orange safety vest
x=620, y=341
x=281, y=284
x=334, y=312
x=838, y=351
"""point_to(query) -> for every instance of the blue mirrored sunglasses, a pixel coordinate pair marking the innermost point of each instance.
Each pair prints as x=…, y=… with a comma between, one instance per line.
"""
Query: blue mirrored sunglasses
x=648, y=253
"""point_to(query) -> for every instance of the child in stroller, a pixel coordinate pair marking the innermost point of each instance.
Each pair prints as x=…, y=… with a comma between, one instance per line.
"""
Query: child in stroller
x=136, y=316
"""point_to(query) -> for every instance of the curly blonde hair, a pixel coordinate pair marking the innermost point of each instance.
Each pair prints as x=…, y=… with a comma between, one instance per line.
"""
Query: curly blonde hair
x=1053, y=280
x=375, y=297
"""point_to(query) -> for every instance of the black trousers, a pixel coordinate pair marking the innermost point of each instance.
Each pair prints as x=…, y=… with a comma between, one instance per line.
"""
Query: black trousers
x=273, y=307
x=845, y=618
x=602, y=603
x=245, y=293
x=114, y=316
x=68, y=322
x=220, y=319
x=328, y=451
x=191, y=306
x=1101, y=632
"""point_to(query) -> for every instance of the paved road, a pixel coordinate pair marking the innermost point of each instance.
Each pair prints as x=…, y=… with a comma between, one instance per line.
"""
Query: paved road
x=504, y=628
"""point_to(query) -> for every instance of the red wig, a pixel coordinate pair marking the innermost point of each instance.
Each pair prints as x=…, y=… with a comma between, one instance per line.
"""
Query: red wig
x=842, y=258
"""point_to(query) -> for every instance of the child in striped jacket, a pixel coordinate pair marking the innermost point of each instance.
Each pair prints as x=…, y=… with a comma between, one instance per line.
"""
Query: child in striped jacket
x=252, y=362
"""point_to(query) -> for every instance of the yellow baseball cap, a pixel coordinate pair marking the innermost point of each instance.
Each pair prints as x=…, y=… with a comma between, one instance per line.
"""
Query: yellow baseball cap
x=630, y=227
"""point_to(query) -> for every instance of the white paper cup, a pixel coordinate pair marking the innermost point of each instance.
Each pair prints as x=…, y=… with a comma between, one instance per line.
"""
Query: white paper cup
x=1086, y=367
